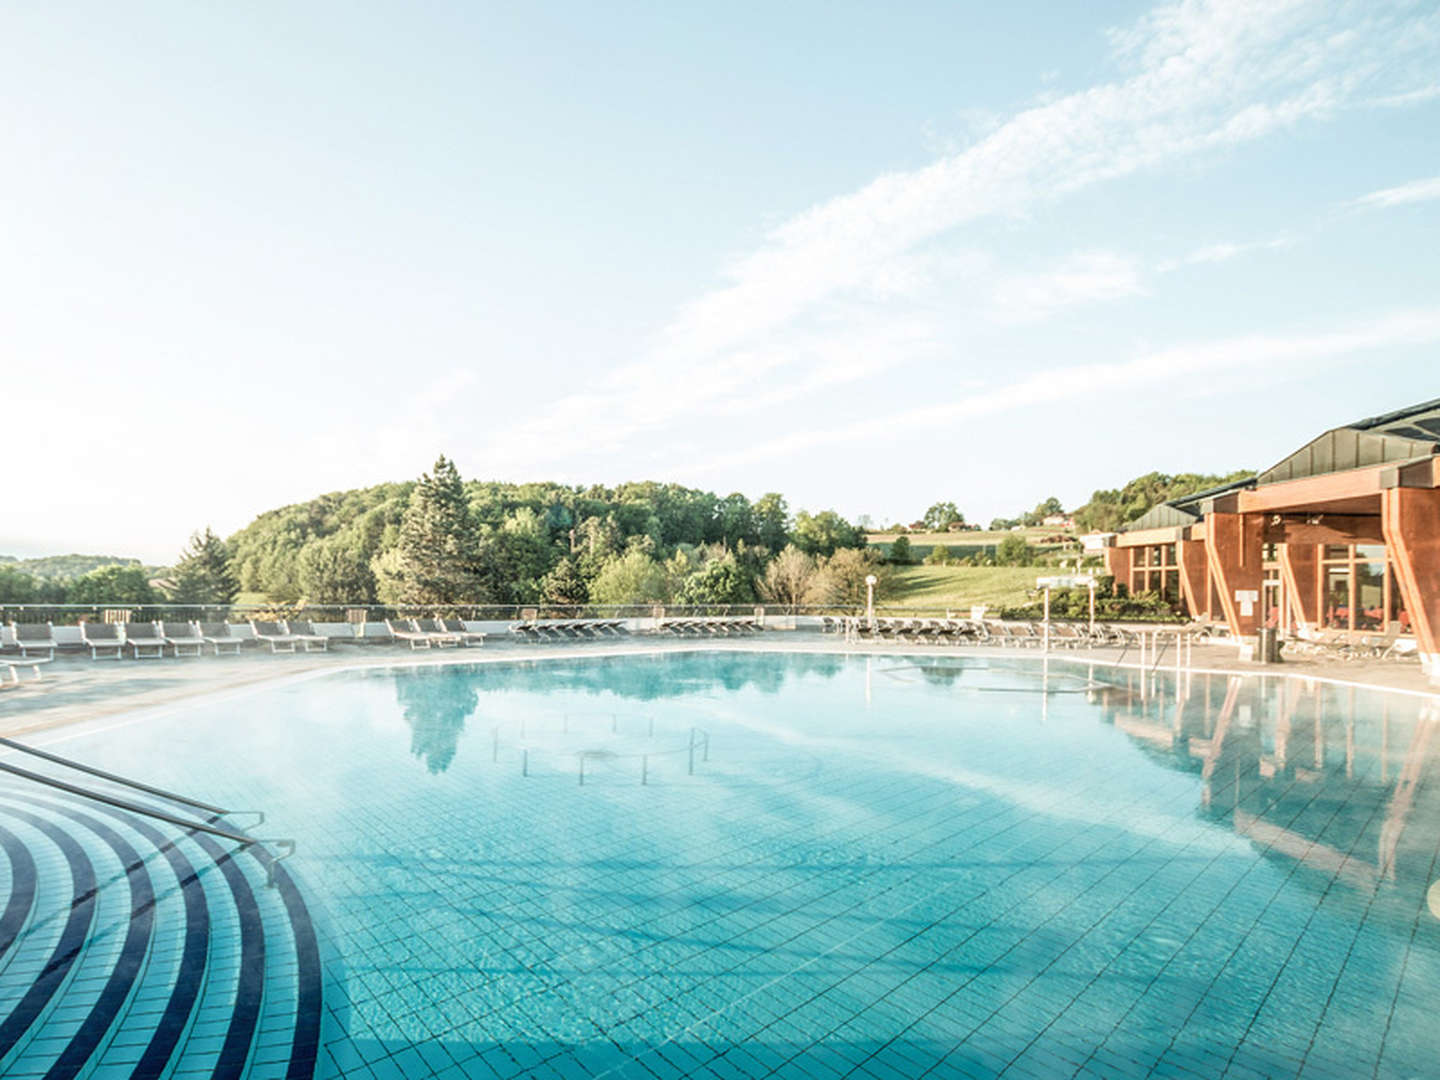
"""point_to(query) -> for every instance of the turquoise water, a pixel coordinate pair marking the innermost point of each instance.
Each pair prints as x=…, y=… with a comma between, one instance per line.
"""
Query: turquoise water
x=751, y=864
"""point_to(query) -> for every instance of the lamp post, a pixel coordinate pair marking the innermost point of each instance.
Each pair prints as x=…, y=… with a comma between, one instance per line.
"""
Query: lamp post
x=870, y=580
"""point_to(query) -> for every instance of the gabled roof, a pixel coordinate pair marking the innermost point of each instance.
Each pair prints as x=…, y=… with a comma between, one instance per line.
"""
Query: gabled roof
x=1186, y=510
x=1402, y=435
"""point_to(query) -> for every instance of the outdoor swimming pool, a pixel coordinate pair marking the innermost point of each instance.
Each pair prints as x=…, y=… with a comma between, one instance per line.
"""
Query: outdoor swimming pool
x=741, y=864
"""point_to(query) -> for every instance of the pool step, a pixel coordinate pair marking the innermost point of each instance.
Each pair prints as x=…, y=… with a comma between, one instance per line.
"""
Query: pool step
x=132, y=947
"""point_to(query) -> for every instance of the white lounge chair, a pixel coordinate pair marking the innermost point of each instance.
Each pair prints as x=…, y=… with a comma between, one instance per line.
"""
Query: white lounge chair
x=219, y=636
x=457, y=627
x=35, y=637
x=182, y=635
x=12, y=664
x=304, y=633
x=404, y=630
x=102, y=638
x=275, y=635
x=142, y=636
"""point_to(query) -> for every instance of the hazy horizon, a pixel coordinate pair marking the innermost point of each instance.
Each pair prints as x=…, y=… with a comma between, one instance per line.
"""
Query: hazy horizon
x=868, y=258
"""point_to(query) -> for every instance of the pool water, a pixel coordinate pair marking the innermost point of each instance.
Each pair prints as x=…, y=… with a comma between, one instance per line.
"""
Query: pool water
x=746, y=864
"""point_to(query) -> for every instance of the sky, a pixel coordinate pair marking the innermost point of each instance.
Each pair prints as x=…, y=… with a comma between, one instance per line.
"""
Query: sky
x=870, y=256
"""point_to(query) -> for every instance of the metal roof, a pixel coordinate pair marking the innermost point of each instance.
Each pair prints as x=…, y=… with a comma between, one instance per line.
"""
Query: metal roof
x=1185, y=510
x=1402, y=435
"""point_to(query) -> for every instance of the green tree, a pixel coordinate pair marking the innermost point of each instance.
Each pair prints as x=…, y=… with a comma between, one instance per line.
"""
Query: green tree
x=772, y=520
x=16, y=586
x=941, y=516
x=112, y=585
x=632, y=578
x=939, y=556
x=564, y=585
x=203, y=574
x=900, y=551
x=336, y=570
x=437, y=558
x=1013, y=551
x=718, y=581
x=824, y=533
x=843, y=574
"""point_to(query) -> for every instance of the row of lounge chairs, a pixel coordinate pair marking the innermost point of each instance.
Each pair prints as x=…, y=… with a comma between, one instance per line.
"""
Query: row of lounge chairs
x=433, y=633
x=709, y=625
x=152, y=639
x=568, y=629
x=980, y=632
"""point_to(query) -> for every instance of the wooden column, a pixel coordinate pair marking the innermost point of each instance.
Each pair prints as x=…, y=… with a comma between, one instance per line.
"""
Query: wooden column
x=1410, y=518
x=1194, y=577
x=1233, y=549
x=1299, y=563
x=1118, y=561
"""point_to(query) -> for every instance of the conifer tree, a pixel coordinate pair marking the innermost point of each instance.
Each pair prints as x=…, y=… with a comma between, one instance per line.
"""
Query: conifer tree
x=203, y=574
x=564, y=585
x=435, y=561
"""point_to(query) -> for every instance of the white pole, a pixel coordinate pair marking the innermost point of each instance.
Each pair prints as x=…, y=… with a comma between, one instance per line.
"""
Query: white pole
x=1092, y=605
x=1047, y=619
x=870, y=599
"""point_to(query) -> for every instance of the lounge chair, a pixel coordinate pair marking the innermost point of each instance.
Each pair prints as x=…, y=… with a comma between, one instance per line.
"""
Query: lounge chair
x=304, y=633
x=404, y=630
x=143, y=636
x=102, y=638
x=12, y=664
x=35, y=637
x=220, y=636
x=275, y=635
x=438, y=634
x=182, y=635
x=457, y=626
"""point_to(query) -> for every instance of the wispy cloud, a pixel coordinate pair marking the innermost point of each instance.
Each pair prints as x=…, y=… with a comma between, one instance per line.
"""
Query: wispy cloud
x=1196, y=77
x=1413, y=192
x=1085, y=278
x=1188, y=364
x=1221, y=252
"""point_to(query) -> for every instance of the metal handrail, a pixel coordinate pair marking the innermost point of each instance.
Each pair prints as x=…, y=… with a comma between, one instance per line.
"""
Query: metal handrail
x=159, y=815
x=116, y=779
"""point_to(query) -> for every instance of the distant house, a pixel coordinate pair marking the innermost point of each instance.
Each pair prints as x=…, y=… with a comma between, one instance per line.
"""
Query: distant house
x=956, y=526
x=1058, y=521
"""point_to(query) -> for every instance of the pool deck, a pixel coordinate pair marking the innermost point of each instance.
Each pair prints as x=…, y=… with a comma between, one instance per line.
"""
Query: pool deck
x=77, y=689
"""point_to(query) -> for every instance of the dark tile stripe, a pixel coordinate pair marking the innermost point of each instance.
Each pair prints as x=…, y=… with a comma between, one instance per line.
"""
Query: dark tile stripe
x=305, y=1047
x=22, y=888
x=240, y=1035
x=128, y=964
x=190, y=974
x=72, y=936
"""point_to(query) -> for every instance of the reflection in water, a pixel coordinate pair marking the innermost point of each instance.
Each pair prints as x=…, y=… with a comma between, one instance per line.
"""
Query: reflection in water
x=1336, y=784
x=436, y=705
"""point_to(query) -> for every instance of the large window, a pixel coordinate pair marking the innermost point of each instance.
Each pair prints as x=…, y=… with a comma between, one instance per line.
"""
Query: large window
x=1357, y=589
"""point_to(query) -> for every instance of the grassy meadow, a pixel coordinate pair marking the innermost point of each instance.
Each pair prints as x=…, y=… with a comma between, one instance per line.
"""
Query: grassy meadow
x=958, y=587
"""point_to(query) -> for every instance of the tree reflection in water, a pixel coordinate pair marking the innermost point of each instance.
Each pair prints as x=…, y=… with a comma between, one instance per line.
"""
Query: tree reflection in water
x=436, y=707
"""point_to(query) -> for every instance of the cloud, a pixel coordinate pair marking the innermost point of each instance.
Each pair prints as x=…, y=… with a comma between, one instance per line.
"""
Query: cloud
x=1413, y=192
x=1221, y=252
x=1188, y=364
x=1194, y=78
x=1085, y=278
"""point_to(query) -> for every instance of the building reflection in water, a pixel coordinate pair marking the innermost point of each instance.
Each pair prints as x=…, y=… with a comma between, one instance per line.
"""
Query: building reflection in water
x=1323, y=778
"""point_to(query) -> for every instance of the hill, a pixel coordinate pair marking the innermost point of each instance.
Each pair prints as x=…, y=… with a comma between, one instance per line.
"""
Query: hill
x=65, y=567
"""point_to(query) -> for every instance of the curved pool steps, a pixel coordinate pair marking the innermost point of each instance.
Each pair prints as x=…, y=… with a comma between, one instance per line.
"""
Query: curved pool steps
x=138, y=949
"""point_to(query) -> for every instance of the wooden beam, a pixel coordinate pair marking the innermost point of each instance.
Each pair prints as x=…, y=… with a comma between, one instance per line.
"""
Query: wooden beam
x=1314, y=490
x=1118, y=563
x=1233, y=549
x=1299, y=563
x=1328, y=529
x=1194, y=577
x=1412, y=533
x=1171, y=534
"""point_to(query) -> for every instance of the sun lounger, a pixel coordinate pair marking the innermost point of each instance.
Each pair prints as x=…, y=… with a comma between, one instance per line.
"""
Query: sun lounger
x=457, y=627
x=404, y=630
x=274, y=635
x=438, y=634
x=12, y=664
x=182, y=635
x=35, y=637
x=103, y=639
x=141, y=637
x=304, y=633
x=219, y=636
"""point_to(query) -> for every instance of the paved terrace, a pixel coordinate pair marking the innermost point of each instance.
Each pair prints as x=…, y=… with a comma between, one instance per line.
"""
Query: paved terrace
x=76, y=689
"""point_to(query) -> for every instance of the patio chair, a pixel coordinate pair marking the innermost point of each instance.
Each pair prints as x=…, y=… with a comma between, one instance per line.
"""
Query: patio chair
x=102, y=638
x=219, y=636
x=12, y=664
x=182, y=635
x=274, y=635
x=304, y=633
x=142, y=637
x=35, y=637
x=404, y=630
x=457, y=627
x=438, y=634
